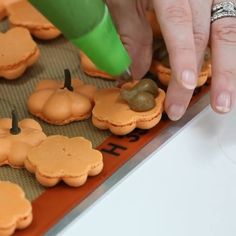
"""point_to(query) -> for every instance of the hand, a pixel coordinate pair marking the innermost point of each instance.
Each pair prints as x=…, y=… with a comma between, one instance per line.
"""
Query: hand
x=185, y=25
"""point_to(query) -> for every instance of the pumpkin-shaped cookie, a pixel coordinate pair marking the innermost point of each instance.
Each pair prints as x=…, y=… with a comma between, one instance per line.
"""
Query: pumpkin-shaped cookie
x=113, y=112
x=90, y=69
x=16, y=210
x=61, y=104
x=17, y=138
x=17, y=52
x=161, y=66
x=22, y=13
x=58, y=158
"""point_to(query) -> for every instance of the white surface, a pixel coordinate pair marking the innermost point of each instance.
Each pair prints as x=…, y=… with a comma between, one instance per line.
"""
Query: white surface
x=188, y=188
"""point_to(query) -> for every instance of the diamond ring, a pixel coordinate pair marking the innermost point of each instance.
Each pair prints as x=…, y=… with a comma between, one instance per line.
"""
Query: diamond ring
x=223, y=9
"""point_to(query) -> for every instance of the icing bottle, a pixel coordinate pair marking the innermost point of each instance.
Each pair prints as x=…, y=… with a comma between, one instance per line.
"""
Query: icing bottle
x=89, y=26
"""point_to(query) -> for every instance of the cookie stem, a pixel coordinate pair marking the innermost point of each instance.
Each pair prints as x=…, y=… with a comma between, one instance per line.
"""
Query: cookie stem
x=15, y=129
x=67, y=83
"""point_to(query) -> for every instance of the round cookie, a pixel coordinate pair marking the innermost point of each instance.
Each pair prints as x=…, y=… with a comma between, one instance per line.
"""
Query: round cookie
x=60, y=158
x=14, y=59
x=16, y=210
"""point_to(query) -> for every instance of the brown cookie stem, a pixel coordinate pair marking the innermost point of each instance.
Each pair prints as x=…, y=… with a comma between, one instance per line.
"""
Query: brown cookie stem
x=67, y=83
x=15, y=129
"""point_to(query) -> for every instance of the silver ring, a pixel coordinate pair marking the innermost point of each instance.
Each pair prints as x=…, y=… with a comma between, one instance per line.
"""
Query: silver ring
x=223, y=9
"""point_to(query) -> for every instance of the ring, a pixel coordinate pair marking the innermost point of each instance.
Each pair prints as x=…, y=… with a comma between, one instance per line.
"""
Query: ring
x=223, y=9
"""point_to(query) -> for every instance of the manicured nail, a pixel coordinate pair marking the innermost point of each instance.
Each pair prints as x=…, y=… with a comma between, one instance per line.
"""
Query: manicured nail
x=175, y=112
x=223, y=102
x=189, y=79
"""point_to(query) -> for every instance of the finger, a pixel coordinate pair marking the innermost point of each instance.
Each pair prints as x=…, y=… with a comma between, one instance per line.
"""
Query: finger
x=201, y=24
x=135, y=32
x=223, y=42
x=175, y=19
x=201, y=13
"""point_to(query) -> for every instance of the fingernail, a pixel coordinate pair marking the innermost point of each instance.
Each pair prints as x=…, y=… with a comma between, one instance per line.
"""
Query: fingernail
x=175, y=112
x=189, y=79
x=223, y=102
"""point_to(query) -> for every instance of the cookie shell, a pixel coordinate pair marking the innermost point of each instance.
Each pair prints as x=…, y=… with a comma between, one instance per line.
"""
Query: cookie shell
x=113, y=113
x=16, y=210
x=14, y=59
x=164, y=73
x=60, y=158
x=60, y=106
x=90, y=69
x=14, y=148
x=22, y=13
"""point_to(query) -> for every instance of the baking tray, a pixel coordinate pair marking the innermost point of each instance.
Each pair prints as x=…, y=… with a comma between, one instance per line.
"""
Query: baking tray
x=50, y=205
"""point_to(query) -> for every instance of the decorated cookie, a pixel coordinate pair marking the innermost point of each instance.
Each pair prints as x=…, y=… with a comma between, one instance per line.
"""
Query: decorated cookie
x=17, y=52
x=113, y=112
x=22, y=13
x=60, y=104
x=17, y=138
x=16, y=210
x=90, y=69
x=161, y=66
x=58, y=158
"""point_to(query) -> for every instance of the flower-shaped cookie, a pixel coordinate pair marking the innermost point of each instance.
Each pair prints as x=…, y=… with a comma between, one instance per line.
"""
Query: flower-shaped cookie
x=161, y=66
x=58, y=104
x=17, y=52
x=114, y=113
x=16, y=140
x=16, y=210
x=22, y=13
x=90, y=69
x=61, y=158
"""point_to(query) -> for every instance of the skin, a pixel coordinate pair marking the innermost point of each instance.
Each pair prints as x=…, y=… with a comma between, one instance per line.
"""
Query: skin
x=186, y=29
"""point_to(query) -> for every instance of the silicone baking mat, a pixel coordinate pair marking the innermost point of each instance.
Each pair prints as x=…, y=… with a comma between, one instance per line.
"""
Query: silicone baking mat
x=56, y=55
x=50, y=205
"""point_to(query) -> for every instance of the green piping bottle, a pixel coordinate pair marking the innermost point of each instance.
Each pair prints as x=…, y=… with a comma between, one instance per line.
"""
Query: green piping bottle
x=88, y=25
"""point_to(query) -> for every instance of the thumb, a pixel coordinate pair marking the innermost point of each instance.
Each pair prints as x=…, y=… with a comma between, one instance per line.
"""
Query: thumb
x=135, y=32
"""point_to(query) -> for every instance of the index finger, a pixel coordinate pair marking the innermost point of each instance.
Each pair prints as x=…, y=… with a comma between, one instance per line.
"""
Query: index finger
x=175, y=18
